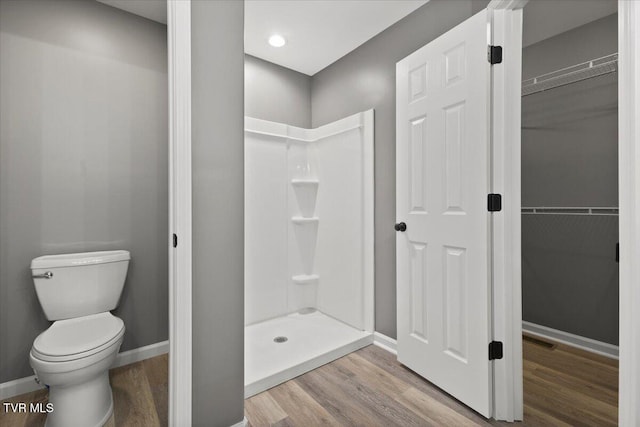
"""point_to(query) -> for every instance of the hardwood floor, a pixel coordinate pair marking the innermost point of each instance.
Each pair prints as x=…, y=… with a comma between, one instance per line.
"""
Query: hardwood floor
x=140, y=393
x=563, y=387
x=365, y=388
x=566, y=386
x=140, y=397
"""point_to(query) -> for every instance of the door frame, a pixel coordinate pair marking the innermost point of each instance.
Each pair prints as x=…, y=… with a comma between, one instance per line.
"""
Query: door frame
x=180, y=303
x=506, y=80
x=629, y=202
x=506, y=18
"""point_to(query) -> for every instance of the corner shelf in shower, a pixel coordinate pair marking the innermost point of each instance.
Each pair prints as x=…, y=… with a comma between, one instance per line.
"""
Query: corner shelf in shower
x=305, y=279
x=306, y=191
x=301, y=220
x=306, y=182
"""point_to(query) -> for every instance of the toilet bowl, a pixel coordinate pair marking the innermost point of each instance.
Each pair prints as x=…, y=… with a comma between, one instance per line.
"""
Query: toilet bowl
x=73, y=356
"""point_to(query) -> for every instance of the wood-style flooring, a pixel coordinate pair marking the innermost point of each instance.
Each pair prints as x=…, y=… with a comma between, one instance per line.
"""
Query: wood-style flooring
x=563, y=387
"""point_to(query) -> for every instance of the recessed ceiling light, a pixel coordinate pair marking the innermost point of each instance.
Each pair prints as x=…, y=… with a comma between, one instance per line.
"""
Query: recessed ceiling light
x=277, y=40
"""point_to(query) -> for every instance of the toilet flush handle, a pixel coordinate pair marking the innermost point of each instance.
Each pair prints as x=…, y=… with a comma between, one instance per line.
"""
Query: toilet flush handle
x=46, y=275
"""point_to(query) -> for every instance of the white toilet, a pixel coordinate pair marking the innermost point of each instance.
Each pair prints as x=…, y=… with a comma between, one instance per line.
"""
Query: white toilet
x=74, y=355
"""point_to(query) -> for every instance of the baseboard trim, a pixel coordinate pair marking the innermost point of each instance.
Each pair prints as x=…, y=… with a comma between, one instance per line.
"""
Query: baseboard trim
x=29, y=384
x=577, y=341
x=141, y=353
x=385, y=342
x=19, y=386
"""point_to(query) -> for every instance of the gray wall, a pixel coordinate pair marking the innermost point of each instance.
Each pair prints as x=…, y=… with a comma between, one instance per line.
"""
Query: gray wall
x=83, y=159
x=363, y=79
x=276, y=93
x=218, y=212
x=570, y=159
x=569, y=139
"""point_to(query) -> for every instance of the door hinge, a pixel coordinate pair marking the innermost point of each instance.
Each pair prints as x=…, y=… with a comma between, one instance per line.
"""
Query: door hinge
x=494, y=202
x=494, y=54
x=495, y=350
x=175, y=240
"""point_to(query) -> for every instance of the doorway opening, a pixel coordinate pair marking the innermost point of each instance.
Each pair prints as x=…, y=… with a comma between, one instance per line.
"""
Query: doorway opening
x=569, y=217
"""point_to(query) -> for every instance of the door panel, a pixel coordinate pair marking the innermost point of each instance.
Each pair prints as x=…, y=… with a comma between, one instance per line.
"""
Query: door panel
x=419, y=296
x=418, y=156
x=442, y=163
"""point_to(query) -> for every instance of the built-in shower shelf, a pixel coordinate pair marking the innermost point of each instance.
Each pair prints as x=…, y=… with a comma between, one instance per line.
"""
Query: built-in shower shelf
x=301, y=220
x=305, y=182
x=305, y=279
x=306, y=190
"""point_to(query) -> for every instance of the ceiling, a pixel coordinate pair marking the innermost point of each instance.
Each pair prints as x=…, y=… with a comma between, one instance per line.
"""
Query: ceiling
x=547, y=18
x=156, y=10
x=319, y=32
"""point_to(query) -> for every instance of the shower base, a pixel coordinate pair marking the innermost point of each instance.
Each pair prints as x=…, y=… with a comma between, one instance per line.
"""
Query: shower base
x=312, y=340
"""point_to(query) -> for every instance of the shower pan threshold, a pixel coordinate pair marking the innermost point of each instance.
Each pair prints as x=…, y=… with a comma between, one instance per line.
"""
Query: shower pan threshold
x=312, y=340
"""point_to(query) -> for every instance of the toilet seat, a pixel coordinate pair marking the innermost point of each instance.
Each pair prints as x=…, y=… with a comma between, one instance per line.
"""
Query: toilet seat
x=77, y=338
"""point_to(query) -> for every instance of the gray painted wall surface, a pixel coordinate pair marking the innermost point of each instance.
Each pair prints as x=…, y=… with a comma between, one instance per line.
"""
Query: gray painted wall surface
x=363, y=79
x=276, y=93
x=593, y=40
x=569, y=274
x=83, y=159
x=570, y=159
x=569, y=135
x=218, y=212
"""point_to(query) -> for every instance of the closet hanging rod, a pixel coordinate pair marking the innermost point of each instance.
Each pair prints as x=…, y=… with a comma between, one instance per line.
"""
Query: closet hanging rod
x=575, y=73
x=570, y=211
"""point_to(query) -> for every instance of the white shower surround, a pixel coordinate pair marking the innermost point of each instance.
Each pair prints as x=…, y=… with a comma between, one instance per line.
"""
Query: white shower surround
x=308, y=241
x=279, y=234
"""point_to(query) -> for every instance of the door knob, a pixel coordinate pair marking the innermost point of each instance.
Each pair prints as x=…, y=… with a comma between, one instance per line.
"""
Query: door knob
x=401, y=226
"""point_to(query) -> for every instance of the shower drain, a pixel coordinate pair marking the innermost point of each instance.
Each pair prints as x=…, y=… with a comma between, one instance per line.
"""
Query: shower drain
x=280, y=339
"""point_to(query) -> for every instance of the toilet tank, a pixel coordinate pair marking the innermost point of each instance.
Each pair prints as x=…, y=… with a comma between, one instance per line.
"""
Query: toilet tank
x=74, y=285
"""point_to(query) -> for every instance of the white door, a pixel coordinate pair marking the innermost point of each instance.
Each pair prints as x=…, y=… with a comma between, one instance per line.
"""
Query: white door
x=442, y=161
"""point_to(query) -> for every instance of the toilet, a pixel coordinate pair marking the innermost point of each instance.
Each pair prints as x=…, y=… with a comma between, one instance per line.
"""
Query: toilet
x=73, y=356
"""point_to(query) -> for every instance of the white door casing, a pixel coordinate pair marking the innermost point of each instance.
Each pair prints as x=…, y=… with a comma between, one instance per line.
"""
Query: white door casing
x=180, y=351
x=443, y=258
x=629, y=196
x=506, y=83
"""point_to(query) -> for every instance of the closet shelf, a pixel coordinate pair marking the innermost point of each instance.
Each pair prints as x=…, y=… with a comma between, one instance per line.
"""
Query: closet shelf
x=300, y=220
x=570, y=210
x=305, y=279
x=575, y=73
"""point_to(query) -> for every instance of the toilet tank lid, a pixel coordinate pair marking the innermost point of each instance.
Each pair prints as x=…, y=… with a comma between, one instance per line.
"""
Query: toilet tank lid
x=79, y=259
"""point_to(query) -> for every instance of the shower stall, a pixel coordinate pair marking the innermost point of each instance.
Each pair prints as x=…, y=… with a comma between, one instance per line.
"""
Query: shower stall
x=308, y=246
